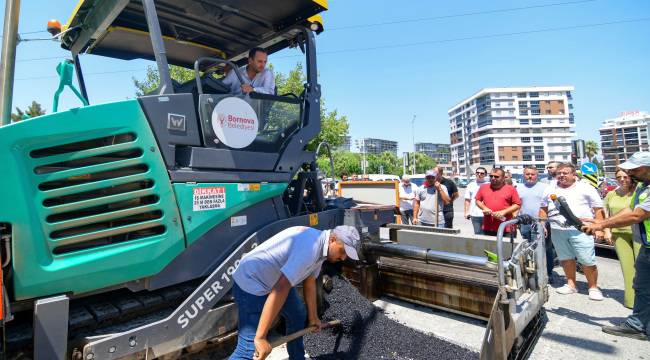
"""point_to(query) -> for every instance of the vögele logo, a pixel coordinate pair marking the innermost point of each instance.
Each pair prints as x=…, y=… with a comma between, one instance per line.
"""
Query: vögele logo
x=234, y=122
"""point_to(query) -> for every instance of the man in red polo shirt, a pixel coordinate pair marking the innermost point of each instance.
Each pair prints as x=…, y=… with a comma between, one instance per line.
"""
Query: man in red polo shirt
x=499, y=201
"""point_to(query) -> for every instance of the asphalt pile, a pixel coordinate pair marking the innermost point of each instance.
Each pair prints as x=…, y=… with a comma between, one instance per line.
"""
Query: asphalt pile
x=367, y=333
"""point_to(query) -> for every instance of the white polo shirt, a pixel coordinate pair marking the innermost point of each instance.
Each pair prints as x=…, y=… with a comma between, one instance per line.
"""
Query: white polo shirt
x=580, y=196
x=296, y=252
x=407, y=191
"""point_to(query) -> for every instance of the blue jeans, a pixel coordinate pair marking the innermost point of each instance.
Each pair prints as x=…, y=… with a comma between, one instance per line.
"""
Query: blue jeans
x=477, y=224
x=526, y=233
x=640, y=318
x=249, y=308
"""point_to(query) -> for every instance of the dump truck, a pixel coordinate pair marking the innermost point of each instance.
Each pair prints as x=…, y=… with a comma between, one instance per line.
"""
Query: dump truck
x=122, y=223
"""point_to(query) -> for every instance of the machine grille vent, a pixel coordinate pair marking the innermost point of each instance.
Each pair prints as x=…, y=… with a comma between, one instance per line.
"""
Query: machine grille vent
x=96, y=193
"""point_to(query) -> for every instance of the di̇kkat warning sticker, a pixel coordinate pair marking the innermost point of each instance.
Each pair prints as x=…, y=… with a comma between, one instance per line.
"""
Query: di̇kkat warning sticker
x=208, y=198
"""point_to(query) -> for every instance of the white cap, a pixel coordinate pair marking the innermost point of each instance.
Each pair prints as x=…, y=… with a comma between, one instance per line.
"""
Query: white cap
x=349, y=236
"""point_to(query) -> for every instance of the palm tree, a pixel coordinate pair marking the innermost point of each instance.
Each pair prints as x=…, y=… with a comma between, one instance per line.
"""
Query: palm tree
x=591, y=148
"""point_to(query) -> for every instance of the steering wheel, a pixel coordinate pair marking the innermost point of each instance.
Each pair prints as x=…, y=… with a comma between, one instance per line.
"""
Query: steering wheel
x=564, y=209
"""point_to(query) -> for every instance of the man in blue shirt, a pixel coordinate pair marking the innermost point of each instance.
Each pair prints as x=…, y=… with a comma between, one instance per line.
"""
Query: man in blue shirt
x=531, y=193
x=257, y=78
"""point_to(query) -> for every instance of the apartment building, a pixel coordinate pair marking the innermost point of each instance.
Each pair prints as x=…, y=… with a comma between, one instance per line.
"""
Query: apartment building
x=346, y=145
x=376, y=146
x=441, y=153
x=622, y=136
x=512, y=127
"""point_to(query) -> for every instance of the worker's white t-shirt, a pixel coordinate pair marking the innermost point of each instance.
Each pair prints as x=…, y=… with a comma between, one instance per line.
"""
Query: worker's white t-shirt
x=581, y=198
x=296, y=252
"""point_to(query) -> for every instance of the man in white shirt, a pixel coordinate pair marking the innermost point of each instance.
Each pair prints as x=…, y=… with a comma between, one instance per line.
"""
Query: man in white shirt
x=472, y=211
x=257, y=78
x=265, y=281
x=407, y=191
x=571, y=244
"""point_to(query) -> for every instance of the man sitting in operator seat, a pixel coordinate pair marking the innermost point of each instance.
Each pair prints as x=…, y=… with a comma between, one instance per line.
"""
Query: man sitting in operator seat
x=257, y=78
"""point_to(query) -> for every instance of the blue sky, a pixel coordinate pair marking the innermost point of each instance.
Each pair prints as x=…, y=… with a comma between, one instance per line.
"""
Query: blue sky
x=380, y=74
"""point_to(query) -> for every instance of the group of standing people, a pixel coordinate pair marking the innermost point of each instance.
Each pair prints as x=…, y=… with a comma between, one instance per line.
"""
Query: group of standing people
x=432, y=204
x=621, y=219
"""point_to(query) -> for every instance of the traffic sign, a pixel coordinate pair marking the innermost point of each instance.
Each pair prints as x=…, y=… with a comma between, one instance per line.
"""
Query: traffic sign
x=588, y=168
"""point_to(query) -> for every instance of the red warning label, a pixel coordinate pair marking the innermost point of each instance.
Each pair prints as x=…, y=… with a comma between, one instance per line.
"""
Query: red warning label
x=208, y=198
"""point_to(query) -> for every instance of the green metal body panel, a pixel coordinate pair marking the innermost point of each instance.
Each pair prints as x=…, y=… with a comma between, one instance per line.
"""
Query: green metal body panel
x=237, y=197
x=43, y=261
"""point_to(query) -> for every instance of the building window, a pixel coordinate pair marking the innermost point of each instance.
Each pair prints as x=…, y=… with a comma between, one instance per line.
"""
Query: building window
x=515, y=158
x=525, y=139
x=535, y=112
x=502, y=158
x=523, y=112
x=537, y=121
x=521, y=95
x=534, y=94
x=537, y=139
x=523, y=122
x=548, y=112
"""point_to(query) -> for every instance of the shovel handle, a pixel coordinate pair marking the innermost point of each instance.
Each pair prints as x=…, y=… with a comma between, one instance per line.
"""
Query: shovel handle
x=305, y=331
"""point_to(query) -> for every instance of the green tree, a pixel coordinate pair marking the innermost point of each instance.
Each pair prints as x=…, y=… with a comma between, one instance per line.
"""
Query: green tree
x=423, y=162
x=386, y=161
x=591, y=148
x=151, y=79
x=345, y=162
x=33, y=110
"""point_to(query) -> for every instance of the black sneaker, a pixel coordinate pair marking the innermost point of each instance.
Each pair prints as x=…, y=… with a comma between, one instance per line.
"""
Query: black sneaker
x=623, y=329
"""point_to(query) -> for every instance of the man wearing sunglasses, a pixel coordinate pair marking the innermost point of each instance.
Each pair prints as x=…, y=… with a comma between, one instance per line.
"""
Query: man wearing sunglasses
x=499, y=201
x=472, y=211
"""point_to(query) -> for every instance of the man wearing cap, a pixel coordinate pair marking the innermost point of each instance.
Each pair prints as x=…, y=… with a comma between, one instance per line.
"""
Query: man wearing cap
x=430, y=201
x=637, y=325
x=452, y=191
x=265, y=279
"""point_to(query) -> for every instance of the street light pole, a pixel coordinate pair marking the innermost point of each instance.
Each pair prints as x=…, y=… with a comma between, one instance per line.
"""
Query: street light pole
x=413, y=139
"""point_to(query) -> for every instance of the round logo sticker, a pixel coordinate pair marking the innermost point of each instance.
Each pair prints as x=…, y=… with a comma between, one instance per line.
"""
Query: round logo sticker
x=234, y=122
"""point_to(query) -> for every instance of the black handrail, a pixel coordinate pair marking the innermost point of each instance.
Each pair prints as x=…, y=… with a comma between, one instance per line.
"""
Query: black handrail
x=197, y=73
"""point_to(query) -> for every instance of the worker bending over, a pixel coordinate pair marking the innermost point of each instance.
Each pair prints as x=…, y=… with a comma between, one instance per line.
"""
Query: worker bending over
x=265, y=281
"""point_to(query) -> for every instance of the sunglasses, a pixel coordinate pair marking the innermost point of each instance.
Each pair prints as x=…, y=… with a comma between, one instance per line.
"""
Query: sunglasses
x=494, y=176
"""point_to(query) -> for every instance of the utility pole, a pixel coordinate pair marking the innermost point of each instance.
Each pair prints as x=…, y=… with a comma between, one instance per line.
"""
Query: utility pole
x=363, y=155
x=8, y=63
x=413, y=139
